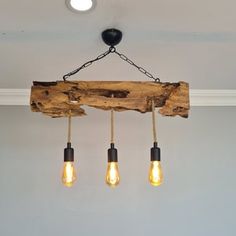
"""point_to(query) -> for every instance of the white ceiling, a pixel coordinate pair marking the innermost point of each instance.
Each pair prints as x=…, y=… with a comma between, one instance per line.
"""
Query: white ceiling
x=194, y=41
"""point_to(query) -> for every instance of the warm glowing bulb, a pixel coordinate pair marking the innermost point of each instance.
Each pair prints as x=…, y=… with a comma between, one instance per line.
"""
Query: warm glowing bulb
x=69, y=175
x=112, y=176
x=155, y=173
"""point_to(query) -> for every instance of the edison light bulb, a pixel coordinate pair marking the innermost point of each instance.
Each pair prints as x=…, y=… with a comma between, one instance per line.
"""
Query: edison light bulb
x=68, y=175
x=155, y=173
x=112, y=175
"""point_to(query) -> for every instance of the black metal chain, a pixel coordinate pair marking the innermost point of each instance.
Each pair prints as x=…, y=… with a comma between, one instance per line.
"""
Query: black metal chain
x=86, y=64
x=112, y=49
x=141, y=69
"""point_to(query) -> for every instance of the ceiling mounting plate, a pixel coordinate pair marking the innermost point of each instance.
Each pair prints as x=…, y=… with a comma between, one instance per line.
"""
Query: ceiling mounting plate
x=111, y=37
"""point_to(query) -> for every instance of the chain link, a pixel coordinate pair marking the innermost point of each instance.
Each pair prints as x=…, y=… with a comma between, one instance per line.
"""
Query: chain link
x=86, y=64
x=112, y=49
x=141, y=69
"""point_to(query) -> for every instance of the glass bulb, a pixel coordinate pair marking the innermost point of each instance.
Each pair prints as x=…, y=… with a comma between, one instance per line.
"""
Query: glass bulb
x=68, y=175
x=112, y=175
x=155, y=173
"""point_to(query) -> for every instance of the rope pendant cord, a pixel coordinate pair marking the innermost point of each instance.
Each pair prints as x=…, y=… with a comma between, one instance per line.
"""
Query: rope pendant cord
x=112, y=126
x=69, y=128
x=154, y=122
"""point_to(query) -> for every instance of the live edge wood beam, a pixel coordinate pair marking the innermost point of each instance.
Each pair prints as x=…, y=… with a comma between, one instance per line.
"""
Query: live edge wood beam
x=58, y=99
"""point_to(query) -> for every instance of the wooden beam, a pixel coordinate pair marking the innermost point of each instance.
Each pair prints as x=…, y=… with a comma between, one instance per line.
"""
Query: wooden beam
x=57, y=99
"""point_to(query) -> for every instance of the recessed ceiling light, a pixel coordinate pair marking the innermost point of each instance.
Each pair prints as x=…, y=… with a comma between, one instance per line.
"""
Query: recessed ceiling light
x=80, y=5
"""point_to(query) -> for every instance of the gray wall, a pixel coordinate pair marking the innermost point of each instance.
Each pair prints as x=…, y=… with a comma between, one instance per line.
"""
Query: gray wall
x=197, y=197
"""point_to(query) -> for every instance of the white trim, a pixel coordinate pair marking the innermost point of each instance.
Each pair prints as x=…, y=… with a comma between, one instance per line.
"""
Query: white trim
x=21, y=97
x=212, y=97
x=17, y=97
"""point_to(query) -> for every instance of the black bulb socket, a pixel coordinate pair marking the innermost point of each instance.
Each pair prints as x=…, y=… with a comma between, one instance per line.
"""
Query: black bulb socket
x=68, y=153
x=155, y=152
x=112, y=153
